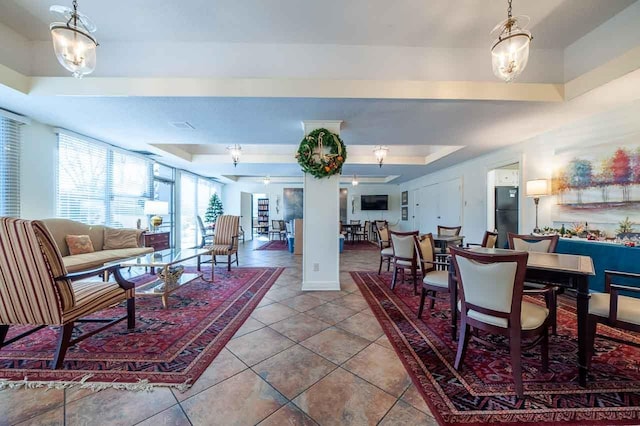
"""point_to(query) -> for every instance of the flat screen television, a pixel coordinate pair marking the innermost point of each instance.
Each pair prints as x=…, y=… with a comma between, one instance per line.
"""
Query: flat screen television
x=374, y=202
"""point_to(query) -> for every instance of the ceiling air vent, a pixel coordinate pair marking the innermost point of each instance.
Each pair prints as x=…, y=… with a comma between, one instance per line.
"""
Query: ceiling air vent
x=182, y=125
x=145, y=153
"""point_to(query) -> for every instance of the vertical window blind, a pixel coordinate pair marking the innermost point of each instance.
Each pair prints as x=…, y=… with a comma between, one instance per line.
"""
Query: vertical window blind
x=98, y=184
x=195, y=193
x=9, y=167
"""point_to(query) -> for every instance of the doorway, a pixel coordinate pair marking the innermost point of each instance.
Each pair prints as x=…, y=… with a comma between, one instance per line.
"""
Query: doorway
x=503, y=201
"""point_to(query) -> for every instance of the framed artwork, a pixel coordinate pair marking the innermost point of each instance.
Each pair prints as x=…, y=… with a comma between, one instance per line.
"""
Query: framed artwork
x=293, y=203
x=405, y=198
x=405, y=213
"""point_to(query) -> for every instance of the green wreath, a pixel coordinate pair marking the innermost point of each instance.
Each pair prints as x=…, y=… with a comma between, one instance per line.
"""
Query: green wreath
x=313, y=159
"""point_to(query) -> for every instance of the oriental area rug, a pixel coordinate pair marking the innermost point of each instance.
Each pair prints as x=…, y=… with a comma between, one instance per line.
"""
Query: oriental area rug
x=168, y=347
x=482, y=391
x=274, y=245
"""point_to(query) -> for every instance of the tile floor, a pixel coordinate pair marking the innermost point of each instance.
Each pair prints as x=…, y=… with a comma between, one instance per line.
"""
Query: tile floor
x=302, y=358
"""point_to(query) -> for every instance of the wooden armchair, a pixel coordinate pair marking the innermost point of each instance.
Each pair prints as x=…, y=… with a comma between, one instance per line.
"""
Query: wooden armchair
x=540, y=244
x=206, y=234
x=35, y=288
x=276, y=229
x=491, y=289
x=225, y=242
x=612, y=309
x=384, y=244
x=449, y=231
x=404, y=256
x=435, y=274
x=488, y=241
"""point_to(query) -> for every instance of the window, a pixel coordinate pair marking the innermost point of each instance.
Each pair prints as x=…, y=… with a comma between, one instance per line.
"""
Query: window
x=9, y=167
x=195, y=193
x=98, y=184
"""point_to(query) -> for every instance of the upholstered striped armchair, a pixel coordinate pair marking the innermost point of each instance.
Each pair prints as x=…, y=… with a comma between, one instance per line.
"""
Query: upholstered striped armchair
x=36, y=290
x=225, y=242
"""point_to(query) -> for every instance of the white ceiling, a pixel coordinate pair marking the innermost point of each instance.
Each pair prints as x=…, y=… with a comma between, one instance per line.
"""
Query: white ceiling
x=434, y=23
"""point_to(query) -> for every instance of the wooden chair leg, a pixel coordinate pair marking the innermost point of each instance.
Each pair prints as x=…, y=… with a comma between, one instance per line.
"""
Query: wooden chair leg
x=462, y=343
x=380, y=267
x=515, y=348
x=592, y=326
x=64, y=337
x=414, y=274
x=237, y=263
x=453, y=302
x=388, y=263
x=4, y=329
x=544, y=350
x=131, y=313
x=228, y=262
x=432, y=302
x=422, y=297
x=393, y=280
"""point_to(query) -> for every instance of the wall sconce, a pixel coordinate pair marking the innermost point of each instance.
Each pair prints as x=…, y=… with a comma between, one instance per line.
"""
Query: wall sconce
x=277, y=204
x=353, y=204
x=381, y=153
x=354, y=181
x=235, y=151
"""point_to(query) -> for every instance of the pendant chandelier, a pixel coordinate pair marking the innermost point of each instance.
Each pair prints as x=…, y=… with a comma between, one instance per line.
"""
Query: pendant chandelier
x=510, y=51
x=381, y=153
x=73, y=43
x=266, y=180
x=235, y=151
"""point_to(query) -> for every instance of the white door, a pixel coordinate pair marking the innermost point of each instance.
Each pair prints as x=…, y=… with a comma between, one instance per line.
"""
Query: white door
x=450, y=202
x=246, y=214
x=429, y=207
x=414, y=210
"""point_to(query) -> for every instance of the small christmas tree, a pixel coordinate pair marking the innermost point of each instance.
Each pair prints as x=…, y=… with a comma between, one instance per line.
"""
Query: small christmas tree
x=214, y=210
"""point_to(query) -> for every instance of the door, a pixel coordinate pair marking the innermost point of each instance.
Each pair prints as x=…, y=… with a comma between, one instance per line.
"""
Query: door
x=450, y=203
x=429, y=201
x=246, y=214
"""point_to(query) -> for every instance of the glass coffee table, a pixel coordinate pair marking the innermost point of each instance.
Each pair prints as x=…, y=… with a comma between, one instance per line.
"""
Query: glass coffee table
x=164, y=260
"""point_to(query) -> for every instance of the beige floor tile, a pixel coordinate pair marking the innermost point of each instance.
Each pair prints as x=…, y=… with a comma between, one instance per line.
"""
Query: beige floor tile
x=115, y=407
x=331, y=313
x=384, y=341
x=273, y=313
x=251, y=324
x=342, y=398
x=244, y=399
x=289, y=415
x=265, y=301
x=335, y=344
x=352, y=301
x=258, y=346
x=300, y=327
x=363, y=325
x=17, y=405
x=404, y=414
x=53, y=417
x=223, y=366
x=328, y=295
x=413, y=398
x=294, y=370
x=303, y=303
x=282, y=293
x=173, y=416
x=380, y=366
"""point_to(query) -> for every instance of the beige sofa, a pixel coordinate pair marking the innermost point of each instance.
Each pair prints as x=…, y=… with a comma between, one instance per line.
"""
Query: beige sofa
x=60, y=228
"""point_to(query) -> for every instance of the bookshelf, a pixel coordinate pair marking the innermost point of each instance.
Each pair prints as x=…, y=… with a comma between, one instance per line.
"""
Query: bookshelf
x=263, y=216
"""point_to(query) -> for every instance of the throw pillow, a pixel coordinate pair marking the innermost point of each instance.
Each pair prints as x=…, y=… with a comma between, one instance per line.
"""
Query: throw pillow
x=79, y=244
x=120, y=238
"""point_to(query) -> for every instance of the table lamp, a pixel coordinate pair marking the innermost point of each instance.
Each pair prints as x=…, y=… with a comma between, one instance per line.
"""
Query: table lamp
x=535, y=189
x=155, y=209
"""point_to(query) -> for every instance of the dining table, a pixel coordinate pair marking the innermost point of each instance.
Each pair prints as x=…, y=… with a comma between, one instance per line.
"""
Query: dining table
x=351, y=229
x=569, y=271
x=442, y=241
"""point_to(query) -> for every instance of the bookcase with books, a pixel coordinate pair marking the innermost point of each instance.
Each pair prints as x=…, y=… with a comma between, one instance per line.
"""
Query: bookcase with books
x=263, y=216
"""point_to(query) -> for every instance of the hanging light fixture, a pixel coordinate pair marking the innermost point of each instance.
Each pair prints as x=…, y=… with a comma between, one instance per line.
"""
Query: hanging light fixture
x=235, y=151
x=266, y=180
x=510, y=51
x=381, y=153
x=73, y=43
x=354, y=181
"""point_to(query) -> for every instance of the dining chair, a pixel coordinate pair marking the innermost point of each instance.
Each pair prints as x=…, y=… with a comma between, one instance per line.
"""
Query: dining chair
x=283, y=230
x=612, y=309
x=205, y=233
x=540, y=244
x=362, y=233
x=384, y=244
x=488, y=241
x=448, y=231
x=36, y=289
x=275, y=229
x=404, y=256
x=435, y=274
x=491, y=290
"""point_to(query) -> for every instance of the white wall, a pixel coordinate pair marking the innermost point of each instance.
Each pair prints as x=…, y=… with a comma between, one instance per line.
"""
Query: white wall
x=536, y=161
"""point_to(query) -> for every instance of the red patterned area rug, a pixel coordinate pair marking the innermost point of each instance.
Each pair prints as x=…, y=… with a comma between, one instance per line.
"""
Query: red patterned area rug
x=274, y=245
x=360, y=245
x=482, y=391
x=169, y=347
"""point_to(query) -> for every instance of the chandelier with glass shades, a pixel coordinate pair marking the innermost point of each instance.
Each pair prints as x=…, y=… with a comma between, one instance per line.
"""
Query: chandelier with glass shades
x=381, y=153
x=235, y=151
x=510, y=51
x=73, y=43
x=266, y=180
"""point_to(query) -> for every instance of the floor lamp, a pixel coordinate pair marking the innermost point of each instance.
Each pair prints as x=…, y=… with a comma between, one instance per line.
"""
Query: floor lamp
x=535, y=189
